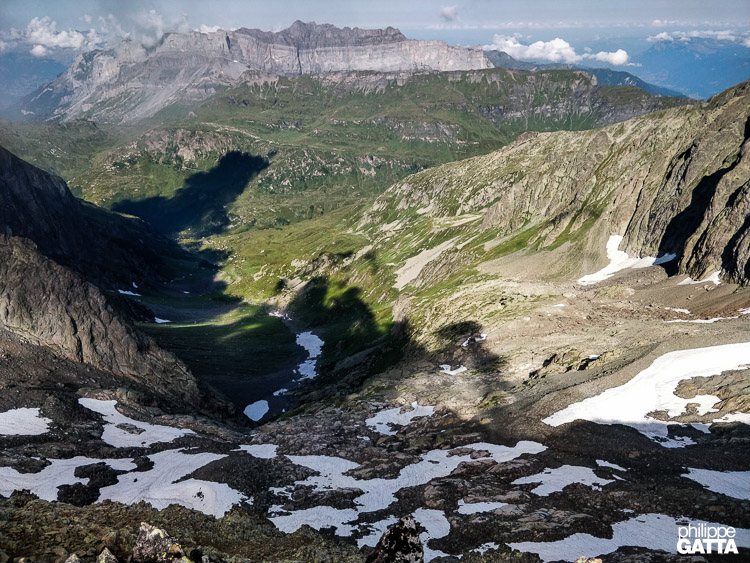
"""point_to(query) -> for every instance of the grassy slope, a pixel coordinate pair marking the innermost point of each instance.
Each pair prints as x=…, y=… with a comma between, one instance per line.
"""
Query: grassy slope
x=329, y=141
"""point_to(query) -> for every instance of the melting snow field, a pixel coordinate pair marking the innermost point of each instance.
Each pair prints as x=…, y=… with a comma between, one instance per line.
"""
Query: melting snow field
x=158, y=486
x=313, y=345
x=553, y=480
x=121, y=431
x=23, y=422
x=383, y=420
x=379, y=494
x=653, y=390
x=256, y=410
x=652, y=531
x=731, y=483
x=619, y=260
x=59, y=472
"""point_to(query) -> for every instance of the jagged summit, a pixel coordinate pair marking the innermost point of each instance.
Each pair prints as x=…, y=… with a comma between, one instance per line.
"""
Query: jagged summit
x=311, y=34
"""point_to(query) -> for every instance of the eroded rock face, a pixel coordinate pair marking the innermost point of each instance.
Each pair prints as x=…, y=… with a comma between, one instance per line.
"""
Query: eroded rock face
x=52, y=306
x=674, y=182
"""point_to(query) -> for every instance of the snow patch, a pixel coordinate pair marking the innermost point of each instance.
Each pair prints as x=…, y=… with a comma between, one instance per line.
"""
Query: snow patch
x=553, y=480
x=486, y=547
x=678, y=310
x=125, y=292
x=436, y=526
x=121, y=431
x=378, y=493
x=262, y=451
x=23, y=422
x=378, y=529
x=446, y=368
x=653, y=390
x=713, y=278
x=602, y=463
x=256, y=410
x=313, y=345
x=651, y=531
x=280, y=392
x=159, y=488
x=157, y=320
x=619, y=260
x=700, y=321
x=59, y=472
x=731, y=483
x=481, y=338
x=382, y=421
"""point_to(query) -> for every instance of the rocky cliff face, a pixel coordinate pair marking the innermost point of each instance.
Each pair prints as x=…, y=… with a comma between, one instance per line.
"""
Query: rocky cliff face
x=133, y=82
x=670, y=182
x=106, y=248
x=39, y=206
x=52, y=306
x=44, y=229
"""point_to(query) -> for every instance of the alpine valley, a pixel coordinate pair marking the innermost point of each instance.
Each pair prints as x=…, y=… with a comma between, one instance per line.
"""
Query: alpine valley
x=335, y=295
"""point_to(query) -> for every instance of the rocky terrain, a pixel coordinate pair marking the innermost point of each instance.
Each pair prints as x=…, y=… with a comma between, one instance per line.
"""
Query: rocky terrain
x=535, y=354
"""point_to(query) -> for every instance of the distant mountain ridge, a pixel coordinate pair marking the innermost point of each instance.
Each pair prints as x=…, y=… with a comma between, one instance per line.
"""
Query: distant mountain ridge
x=604, y=76
x=133, y=82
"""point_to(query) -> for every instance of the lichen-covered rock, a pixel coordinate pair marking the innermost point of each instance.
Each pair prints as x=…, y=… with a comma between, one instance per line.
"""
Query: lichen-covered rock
x=106, y=557
x=399, y=544
x=154, y=545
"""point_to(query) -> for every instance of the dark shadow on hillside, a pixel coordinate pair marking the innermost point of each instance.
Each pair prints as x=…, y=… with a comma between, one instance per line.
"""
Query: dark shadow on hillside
x=358, y=346
x=349, y=323
x=243, y=359
x=684, y=224
x=199, y=206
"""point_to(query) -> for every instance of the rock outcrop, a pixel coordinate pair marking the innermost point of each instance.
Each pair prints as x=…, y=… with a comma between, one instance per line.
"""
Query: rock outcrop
x=52, y=306
x=187, y=68
x=672, y=182
x=399, y=544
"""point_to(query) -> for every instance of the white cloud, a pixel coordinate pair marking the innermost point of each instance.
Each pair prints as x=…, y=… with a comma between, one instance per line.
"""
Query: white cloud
x=208, y=28
x=557, y=50
x=86, y=18
x=449, y=13
x=39, y=51
x=746, y=42
x=685, y=36
x=616, y=58
x=43, y=31
x=152, y=25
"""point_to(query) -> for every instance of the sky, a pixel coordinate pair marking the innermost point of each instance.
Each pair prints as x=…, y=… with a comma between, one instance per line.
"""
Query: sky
x=571, y=31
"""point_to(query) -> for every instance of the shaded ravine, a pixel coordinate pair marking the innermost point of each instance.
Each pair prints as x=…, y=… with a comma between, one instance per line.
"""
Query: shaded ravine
x=276, y=403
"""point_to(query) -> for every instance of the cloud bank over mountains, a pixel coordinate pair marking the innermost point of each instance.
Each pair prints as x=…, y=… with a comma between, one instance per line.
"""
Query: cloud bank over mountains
x=556, y=50
x=42, y=38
